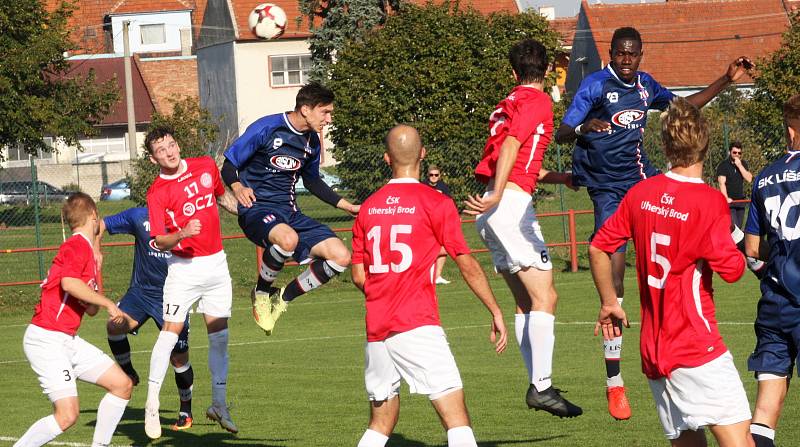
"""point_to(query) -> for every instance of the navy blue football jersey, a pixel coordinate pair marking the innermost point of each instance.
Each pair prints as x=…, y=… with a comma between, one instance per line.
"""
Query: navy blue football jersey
x=149, y=264
x=271, y=155
x=775, y=213
x=615, y=157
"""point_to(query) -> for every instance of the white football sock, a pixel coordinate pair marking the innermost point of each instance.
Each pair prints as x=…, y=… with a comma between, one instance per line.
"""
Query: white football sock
x=461, y=437
x=218, y=365
x=541, y=332
x=371, y=438
x=159, y=362
x=521, y=331
x=41, y=432
x=761, y=430
x=109, y=413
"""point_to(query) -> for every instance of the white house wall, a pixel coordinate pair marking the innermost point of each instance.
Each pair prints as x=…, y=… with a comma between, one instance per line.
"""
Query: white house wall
x=256, y=98
x=173, y=22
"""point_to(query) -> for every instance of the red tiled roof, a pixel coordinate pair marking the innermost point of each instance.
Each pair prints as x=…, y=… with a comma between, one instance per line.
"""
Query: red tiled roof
x=566, y=28
x=689, y=43
x=241, y=10
x=111, y=68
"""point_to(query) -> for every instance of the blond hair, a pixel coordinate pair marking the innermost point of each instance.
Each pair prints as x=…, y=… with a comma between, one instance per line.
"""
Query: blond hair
x=684, y=131
x=78, y=209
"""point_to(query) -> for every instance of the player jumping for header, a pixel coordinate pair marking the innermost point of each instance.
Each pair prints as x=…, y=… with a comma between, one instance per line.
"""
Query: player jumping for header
x=262, y=168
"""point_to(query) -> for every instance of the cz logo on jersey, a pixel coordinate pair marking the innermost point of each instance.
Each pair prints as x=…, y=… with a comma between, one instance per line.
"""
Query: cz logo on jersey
x=627, y=118
x=613, y=97
x=285, y=162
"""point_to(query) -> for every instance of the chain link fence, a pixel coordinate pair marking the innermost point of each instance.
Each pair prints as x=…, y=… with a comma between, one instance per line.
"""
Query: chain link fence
x=31, y=194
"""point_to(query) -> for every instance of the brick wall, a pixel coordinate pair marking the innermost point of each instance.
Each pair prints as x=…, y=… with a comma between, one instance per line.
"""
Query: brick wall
x=167, y=77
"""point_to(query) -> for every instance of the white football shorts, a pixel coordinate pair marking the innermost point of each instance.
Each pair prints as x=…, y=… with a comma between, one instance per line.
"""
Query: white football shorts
x=202, y=278
x=420, y=356
x=513, y=235
x=58, y=359
x=710, y=394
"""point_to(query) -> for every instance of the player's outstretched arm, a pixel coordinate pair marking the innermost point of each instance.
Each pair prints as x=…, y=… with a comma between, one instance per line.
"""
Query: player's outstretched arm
x=567, y=134
x=229, y=203
x=476, y=280
x=561, y=178
x=353, y=209
x=611, y=313
x=735, y=70
x=81, y=291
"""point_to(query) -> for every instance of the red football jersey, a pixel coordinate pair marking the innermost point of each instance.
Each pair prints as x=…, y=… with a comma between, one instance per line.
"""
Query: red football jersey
x=57, y=310
x=681, y=230
x=527, y=115
x=397, y=236
x=172, y=201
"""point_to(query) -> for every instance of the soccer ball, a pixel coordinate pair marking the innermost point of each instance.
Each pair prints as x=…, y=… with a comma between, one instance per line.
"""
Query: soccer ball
x=267, y=21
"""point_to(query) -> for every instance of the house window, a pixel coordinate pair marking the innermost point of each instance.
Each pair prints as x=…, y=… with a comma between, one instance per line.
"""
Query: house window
x=289, y=70
x=18, y=156
x=153, y=34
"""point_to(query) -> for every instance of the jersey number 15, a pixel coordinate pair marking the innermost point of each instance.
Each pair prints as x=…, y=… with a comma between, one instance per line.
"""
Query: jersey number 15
x=406, y=255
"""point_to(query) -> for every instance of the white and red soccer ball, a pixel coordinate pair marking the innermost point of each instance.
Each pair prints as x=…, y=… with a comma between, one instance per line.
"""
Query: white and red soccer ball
x=267, y=21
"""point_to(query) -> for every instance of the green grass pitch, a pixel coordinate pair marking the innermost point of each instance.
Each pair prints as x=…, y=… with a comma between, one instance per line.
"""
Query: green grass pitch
x=303, y=386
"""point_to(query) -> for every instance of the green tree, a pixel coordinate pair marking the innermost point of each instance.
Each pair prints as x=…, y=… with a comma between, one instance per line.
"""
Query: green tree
x=195, y=132
x=777, y=79
x=36, y=98
x=439, y=68
x=340, y=21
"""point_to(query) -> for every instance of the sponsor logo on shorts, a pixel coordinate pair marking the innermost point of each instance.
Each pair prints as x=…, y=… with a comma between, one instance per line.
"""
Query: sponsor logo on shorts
x=269, y=218
x=285, y=162
x=628, y=118
x=189, y=209
x=205, y=180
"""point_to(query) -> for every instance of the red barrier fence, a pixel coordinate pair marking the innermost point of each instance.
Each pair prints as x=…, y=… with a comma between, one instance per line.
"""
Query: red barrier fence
x=572, y=243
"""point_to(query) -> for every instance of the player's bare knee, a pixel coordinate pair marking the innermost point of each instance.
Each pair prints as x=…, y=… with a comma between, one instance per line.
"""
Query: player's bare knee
x=286, y=240
x=116, y=328
x=66, y=416
x=342, y=258
x=179, y=359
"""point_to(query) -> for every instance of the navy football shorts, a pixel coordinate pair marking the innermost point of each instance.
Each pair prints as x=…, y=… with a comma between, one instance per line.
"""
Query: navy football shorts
x=606, y=200
x=258, y=221
x=142, y=305
x=777, y=332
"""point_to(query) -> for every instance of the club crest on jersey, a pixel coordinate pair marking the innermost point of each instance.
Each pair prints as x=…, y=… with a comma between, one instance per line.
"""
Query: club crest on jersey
x=269, y=218
x=285, y=162
x=189, y=209
x=628, y=118
x=205, y=180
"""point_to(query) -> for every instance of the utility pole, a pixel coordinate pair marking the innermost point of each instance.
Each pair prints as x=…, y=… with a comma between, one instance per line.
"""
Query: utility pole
x=132, y=149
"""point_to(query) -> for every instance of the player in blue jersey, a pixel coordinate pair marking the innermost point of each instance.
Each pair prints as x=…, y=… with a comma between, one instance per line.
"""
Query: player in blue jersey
x=262, y=168
x=775, y=215
x=607, y=117
x=144, y=300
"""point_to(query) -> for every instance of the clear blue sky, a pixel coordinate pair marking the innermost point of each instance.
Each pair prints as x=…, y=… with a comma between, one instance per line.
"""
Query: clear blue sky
x=570, y=8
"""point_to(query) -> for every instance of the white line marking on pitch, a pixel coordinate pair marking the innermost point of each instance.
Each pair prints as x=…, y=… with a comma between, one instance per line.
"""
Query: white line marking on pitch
x=361, y=335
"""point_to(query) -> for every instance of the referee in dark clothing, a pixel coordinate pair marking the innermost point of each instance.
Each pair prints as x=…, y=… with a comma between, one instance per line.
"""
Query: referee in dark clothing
x=731, y=175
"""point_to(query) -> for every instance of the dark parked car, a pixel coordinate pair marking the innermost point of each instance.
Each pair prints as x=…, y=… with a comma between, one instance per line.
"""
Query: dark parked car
x=119, y=190
x=22, y=193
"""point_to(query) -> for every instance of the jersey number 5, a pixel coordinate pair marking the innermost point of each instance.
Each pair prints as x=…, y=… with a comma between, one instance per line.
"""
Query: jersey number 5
x=406, y=256
x=657, y=239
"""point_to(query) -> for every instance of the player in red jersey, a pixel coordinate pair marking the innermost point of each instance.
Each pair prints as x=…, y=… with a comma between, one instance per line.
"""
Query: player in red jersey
x=396, y=240
x=57, y=354
x=681, y=230
x=519, y=131
x=182, y=204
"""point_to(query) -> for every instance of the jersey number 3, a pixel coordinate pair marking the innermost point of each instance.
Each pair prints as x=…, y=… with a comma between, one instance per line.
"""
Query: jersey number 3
x=406, y=255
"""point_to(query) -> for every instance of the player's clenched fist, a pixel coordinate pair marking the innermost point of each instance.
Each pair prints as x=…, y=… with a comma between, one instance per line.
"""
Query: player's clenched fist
x=191, y=229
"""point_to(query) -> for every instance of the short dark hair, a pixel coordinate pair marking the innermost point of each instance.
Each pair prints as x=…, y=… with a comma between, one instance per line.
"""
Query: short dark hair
x=313, y=94
x=157, y=133
x=528, y=58
x=626, y=32
x=734, y=144
x=791, y=112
